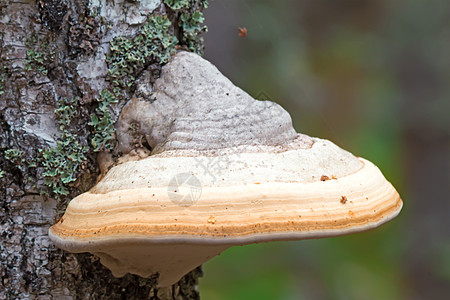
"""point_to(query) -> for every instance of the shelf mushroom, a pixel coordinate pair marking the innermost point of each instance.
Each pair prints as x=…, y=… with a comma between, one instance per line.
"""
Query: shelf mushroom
x=224, y=170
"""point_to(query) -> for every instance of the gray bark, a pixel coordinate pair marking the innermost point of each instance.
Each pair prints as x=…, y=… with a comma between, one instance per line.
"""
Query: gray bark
x=52, y=51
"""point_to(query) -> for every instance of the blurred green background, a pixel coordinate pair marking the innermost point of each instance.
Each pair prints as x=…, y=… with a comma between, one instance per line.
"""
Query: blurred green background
x=374, y=77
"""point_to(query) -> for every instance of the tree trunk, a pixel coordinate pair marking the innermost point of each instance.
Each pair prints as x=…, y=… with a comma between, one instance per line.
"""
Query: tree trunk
x=66, y=70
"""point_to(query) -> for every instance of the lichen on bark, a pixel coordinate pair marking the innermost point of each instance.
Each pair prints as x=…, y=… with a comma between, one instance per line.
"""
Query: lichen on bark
x=53, y=69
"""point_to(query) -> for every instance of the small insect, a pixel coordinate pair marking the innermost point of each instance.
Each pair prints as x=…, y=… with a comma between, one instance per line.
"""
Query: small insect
x=343, y=199
x=242, y=32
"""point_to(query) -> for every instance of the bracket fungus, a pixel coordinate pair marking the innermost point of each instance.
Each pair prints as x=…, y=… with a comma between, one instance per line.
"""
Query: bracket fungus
x=224, y=169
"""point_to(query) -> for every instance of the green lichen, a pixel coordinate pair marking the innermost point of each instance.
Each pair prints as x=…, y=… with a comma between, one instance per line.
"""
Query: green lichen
x=104, y=132
x=16, y=157
x=62, y=163
x=177, y=4
x=36, y=60
x=129, y=56
x=155, y=42
x=39, y=54
x=189, y=21
x=18, y=162
x=191, y=25
x=32, y=162
x=13, y=155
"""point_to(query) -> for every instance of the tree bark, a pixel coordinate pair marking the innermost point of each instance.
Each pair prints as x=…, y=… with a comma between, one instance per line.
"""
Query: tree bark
x=62, y=86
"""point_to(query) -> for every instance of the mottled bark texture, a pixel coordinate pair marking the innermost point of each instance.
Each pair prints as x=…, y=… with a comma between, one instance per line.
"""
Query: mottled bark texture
x=66, y=70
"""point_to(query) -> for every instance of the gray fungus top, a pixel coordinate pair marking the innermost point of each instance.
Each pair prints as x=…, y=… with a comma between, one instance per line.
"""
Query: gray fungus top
x=194, y=106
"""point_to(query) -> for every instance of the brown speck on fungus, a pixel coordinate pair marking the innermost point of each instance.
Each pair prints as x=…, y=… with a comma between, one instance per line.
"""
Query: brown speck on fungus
x=183, y=125
x=324, y=178
x=343, y=199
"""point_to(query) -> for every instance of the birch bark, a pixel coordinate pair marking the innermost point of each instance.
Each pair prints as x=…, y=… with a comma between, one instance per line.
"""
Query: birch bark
x=53, y=68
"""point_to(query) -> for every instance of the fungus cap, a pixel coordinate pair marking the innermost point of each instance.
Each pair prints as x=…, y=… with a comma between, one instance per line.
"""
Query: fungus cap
x=218, y=175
